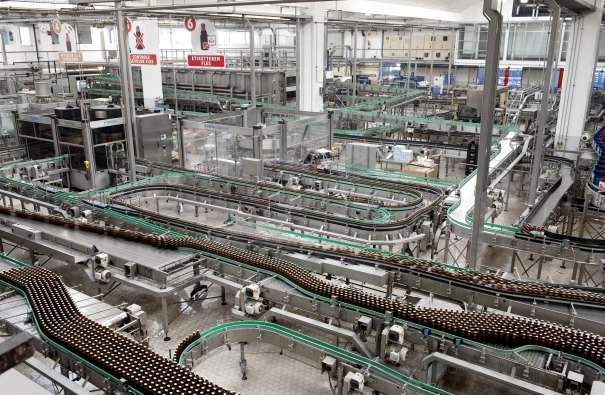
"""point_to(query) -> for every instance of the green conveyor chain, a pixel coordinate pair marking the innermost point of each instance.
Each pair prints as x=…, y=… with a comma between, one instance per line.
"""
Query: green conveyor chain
x=478, y=345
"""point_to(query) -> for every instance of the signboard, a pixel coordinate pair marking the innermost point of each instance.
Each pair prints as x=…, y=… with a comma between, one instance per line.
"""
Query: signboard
x=144, y=44
x=70, y=57
x=206, y=60
x=190, y=23
x=143, y=59
x=203, y=44
x=143, y=39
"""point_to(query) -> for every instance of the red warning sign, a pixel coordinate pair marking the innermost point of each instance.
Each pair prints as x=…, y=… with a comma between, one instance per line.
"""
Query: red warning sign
x=140, y=58
x=206, y=60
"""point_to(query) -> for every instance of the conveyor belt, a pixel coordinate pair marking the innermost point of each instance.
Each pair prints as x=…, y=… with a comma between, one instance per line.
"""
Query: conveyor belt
x=484, y=328
x=261, y=203
x=485, y=282
x=60, y=320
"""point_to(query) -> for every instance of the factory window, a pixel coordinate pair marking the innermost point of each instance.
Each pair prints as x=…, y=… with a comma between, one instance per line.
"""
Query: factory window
x=528, y=41
x=8, y=36
x=26, y=37
x=110, y=35
x=54, y=38
x=84, y=34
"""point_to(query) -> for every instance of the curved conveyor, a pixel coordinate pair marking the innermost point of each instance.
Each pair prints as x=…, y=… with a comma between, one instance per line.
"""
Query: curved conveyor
x=226, y=331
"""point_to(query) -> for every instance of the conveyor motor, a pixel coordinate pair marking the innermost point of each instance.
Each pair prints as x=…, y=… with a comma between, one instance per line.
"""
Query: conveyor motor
x=354, y=382
x=100, y=263
x=249, y=300
x=391, y=347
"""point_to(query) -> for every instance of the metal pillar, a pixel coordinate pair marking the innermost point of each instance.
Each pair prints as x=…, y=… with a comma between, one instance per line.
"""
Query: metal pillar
x=55, y=136
x=87, y=141
x=487, y=120
x=243, y=364
x=165, y=318
x=181, y=147
x=407, y=83
x=451, y=59
x=253, y=67
x=257, y=141
x=354, y=66
x=298, y=68
x=538, y=156
x=128, y=112
x=176, y=96
x=283, y=140
x=3, y=47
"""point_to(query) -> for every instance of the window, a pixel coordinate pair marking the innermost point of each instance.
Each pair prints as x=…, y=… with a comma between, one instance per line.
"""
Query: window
x=25, y=33
x=8, y=36
x=84, y=34
x=54, y=38
x=110, y=35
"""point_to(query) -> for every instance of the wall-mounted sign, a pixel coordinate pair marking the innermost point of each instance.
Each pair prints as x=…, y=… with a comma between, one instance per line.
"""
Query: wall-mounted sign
x=70, y=57
x=195, y=60
x=143, y=59
x=190, y=23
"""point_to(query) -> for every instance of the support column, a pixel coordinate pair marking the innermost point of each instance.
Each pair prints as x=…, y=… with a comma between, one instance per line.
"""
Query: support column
x=127, y=90
x=252, y=67
x=538, y=157
x=310, y=60
x=577, y=84
x=3, y=47
x=354, y=66
x=487, y=123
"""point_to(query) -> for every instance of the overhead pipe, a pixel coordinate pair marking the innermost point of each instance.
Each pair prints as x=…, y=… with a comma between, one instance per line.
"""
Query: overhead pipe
x=492, y=60
x=205, y=5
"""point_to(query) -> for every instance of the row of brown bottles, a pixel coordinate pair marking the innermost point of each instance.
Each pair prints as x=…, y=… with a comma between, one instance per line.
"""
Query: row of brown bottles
x=124, y=358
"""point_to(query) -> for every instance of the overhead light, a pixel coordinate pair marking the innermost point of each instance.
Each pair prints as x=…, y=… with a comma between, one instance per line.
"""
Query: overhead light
x=524, y=1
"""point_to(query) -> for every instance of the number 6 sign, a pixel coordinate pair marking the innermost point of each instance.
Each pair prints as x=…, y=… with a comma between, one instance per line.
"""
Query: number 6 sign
x=190, y=23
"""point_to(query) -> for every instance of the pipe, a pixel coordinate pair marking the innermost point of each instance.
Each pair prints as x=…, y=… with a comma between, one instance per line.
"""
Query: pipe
x=487, y=120
x=538, y=157
x=204, y=5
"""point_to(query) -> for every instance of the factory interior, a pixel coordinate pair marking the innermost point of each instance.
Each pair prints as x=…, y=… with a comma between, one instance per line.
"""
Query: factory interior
x=279, y=197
